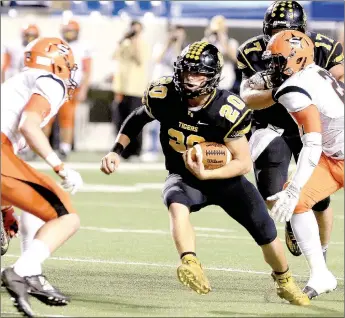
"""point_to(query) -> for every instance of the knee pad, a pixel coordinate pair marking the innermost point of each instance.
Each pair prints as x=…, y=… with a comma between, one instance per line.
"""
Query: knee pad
x=322, y=205
x=267, y=234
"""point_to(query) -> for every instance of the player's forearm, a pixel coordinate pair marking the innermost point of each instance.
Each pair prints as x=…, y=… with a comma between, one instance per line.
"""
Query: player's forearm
x=39, y=143
x=236, y=167
x=132, y=126
x=256, y=99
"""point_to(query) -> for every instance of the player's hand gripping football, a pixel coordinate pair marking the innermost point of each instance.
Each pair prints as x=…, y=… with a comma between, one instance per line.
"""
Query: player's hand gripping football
x=110, y=163
x=197, y=167
x=286, y=202
x=71, y=179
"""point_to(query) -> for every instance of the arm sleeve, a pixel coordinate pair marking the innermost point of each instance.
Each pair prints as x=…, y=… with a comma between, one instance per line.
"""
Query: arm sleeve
x=135, y=122
x=336, y=57
x=308, y=158
x=51, y=88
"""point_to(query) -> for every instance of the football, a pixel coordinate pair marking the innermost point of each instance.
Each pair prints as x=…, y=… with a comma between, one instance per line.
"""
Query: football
x=213, y=155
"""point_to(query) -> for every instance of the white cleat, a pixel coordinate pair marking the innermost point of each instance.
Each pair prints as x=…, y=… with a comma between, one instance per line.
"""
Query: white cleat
x=324, y=282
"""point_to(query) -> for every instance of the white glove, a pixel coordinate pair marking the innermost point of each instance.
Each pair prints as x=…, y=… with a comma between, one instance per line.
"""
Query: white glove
x=71, y=180
x=286, y=202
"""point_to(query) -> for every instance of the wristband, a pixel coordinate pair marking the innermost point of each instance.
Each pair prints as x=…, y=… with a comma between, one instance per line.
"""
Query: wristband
x=54, y=161
x=274, y=91
x=118, y=148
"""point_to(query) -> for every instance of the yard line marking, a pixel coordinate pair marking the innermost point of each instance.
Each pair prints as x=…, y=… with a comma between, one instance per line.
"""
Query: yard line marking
x=36, y=315
x=165, y=232
x=124, y=166
x=110, y=262
x=104, y=188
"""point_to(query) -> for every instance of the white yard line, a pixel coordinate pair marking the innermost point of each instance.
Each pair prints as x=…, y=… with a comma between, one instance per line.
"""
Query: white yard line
x=124, y=166
x=111, y=262
x=165, y=232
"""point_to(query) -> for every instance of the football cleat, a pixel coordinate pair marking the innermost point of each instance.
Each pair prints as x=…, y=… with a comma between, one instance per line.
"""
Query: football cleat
x=290, y=240
x=17, y=287
x=40, y=288
x=191, y=274
x=325, y=283
x=288, y=289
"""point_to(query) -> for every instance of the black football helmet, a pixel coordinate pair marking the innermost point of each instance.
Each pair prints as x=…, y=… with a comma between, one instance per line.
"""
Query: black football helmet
x=284, y=15
x=201, y=58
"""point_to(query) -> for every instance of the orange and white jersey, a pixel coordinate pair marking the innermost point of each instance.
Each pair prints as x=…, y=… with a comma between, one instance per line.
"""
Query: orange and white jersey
x=314, y=85
x=81, y=57
x=12, y=59
x=16, y=92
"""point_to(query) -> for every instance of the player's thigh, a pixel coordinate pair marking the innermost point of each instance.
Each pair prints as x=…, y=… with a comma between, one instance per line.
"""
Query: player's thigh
x=22, y=186
x=242, y=201
x=175, y=190
x=34, y=198
x=320, y=185
x=271, y=167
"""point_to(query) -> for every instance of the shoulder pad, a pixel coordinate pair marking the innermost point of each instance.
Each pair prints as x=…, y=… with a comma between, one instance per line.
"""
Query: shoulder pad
x=157, y=89
x=256, y=43
x=321, y=40
x=251, y=51
x=233, y=114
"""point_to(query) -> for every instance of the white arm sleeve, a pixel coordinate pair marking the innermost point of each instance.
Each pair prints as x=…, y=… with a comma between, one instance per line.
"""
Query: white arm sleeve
x=308, y=158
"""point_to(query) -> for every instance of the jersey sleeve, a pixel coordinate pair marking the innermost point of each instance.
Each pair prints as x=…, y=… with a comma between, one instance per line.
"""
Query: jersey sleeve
x=233, y=117
x=241, y=127
x=154, y=95
x=328, y=52
x=51, y=88
x=336, y=57
x=243, y=64
x=293, y=96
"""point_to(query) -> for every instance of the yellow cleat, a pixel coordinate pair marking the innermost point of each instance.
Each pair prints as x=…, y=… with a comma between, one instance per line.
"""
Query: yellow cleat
x=191, y=274
x=288, y=289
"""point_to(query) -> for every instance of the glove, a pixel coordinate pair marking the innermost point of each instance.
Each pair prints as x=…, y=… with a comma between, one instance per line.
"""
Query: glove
x=261, y=81
x=71, y=179
x=11, y=224
x=286, y=202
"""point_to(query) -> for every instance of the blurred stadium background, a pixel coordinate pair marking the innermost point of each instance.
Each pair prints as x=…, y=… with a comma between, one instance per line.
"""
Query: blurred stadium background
x=122, y=262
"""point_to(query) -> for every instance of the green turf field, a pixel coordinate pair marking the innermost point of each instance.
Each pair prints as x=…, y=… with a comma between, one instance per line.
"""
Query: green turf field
x=123, y=262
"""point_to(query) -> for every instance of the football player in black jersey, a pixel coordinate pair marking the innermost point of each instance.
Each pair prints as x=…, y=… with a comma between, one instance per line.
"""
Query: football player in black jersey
x=275, y=135
x=192, y=110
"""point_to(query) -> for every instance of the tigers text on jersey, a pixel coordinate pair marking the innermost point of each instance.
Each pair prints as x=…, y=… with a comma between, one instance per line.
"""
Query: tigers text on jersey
x=223, y=117
x=314, y=85
x=327, y=52
x=17, y=91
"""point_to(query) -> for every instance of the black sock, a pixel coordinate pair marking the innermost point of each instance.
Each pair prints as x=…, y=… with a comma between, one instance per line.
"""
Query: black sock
x=186, y=253
x=281, y=273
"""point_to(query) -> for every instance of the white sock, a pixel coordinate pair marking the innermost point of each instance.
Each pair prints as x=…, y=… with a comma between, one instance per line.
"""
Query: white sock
x=29, y=263
x=65, y=147
x=324, y=248
x=29, y=225
x=306, y=232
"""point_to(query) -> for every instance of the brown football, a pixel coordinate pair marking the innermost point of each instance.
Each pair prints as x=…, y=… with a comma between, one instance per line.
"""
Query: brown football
x=214, y=155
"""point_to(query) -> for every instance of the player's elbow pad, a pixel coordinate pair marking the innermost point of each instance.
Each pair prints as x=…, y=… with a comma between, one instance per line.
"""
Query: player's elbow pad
x=135, y=122
x=312, y=147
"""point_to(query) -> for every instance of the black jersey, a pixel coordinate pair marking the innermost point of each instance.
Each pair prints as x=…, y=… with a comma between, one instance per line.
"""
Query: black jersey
x=327, y=52
x=223, y=117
